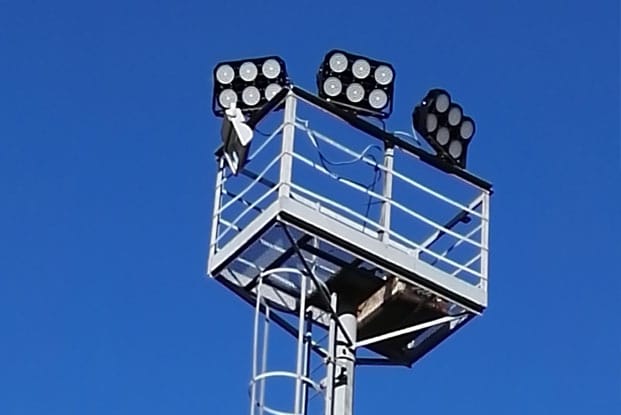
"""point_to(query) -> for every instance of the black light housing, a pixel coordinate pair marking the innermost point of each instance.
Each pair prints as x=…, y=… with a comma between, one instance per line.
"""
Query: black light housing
x=250, y=83
x=444, y=126
x=358, y=83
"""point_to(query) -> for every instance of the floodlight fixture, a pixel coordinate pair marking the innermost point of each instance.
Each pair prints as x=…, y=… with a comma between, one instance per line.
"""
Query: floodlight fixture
x=444, y=126
x=247, y=83
x=358, y=83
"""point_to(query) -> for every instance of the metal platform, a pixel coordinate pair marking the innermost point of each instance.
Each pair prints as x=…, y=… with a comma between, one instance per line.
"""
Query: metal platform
x=402, y=239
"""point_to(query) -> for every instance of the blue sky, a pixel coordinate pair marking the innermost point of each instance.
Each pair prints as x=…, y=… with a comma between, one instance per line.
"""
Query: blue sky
x=106, y=174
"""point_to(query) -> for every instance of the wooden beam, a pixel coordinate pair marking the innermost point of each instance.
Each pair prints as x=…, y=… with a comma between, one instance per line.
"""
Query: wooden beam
x=395, y=289
x=372, y=305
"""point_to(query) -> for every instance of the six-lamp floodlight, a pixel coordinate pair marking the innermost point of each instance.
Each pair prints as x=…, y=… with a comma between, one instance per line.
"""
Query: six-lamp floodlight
x=249, y=83
x=358, y=83
x=444, y=126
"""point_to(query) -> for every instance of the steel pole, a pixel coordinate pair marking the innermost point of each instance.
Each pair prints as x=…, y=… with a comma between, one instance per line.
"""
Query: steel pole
x=345, y=362
x=389, y=160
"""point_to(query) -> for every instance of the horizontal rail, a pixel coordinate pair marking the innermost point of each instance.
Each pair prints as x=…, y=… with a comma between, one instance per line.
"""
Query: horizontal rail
x=314, y=135
x=243, y=201
x=267, y=141
x=467, y=264
x=386, y=137
x=329, y=202
x=413, y=245
x=434, y=237
x=228, y=224
x=250, y=185
x=382, y=198
x=458, y=243
x=245, y=211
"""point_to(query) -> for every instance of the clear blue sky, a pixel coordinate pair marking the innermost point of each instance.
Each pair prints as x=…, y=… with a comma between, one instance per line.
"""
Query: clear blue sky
x=106, y=177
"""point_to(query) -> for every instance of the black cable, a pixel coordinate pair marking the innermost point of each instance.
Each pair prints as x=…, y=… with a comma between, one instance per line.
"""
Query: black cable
x=324, y=160
x=376, y=176
x=376, y=172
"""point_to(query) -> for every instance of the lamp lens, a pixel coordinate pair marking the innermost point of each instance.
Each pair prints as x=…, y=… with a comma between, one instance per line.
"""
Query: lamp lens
x=431, y=122
x=225, y=74
x=466, y=129
x=361, y=68
x=272, y=90
x=271, y=68
x=443, y=135
x=383, y=75
x=248, y=71
x=338, y=62
x=227, y=97
x=454, y=115
x=332, y=86
x=251, y=95
x=455, y=149
x=442, y=103
x=355, y=92
x=378, y=99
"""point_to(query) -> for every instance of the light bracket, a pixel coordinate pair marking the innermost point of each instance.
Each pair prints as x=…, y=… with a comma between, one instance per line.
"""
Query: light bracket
x=236, y=137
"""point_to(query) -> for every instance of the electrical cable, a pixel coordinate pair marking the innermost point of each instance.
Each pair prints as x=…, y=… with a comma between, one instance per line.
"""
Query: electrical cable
x=324, y=160
x=413, y=136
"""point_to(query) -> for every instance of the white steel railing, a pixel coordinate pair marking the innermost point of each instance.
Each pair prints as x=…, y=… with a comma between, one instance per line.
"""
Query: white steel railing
x=289, y=169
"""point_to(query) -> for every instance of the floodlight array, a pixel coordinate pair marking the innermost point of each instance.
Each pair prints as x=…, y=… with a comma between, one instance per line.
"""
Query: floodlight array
x=363, y=85
x=247, y=83
x=444, y=126
x=355, y=83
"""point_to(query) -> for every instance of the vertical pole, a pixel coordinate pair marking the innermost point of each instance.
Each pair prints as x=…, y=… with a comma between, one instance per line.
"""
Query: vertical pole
x=485, y=239
x=389, y=153
x=331, y=361
x=308, y=337
x=217, y=204
x=255, y=350
x=345, y=361
x=266, y=327
x=286, y=159
x=299, y=383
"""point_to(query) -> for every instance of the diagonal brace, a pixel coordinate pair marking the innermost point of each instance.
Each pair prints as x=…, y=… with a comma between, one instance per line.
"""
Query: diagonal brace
x=411, y=329
x=323, y=290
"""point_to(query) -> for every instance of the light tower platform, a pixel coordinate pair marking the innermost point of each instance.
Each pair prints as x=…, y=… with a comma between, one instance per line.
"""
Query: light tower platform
x=359, y=221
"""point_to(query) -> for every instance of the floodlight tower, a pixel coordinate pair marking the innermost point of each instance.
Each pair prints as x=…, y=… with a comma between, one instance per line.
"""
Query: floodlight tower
x=293, y=236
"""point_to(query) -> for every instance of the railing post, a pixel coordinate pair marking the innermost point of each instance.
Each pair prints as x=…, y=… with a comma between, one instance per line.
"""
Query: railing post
x=286, y=158
x=255, y=351
x=389, y=153
x=217, y=205
x=485, y=239
x=301, y=358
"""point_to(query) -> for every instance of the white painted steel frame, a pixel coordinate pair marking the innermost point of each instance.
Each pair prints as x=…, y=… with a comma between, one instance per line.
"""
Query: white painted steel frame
x=221, y=227
x=355, y=234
